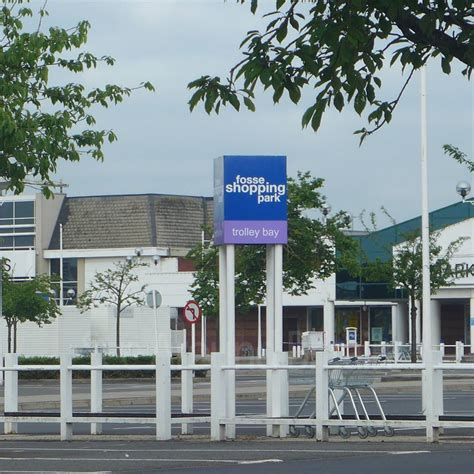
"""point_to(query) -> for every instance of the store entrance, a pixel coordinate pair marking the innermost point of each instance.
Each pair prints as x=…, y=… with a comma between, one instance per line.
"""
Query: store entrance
x=454, y=327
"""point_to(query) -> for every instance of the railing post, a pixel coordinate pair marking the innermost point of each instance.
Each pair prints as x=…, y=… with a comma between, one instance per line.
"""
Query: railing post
x=163, y=396
x=66, y=397
x=442, y=349
x=433, y=397
x=218, y=410
x=383, y=348
x=2, y=376
x=322, y=399
x=280, y=398
x=11, y=392
x=96, y=390
x=187, y=390
x=367, y=348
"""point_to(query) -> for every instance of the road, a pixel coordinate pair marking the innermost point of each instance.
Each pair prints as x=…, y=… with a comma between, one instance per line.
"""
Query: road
x=266, y=456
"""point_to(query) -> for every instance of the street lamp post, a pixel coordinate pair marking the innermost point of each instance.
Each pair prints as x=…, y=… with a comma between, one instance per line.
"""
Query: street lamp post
x=425, y=229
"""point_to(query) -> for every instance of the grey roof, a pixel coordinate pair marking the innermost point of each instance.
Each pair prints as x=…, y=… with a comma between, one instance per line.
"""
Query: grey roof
x=148, y=220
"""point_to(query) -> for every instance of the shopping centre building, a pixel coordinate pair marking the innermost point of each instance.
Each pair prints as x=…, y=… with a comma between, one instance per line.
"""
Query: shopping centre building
x=79, y=236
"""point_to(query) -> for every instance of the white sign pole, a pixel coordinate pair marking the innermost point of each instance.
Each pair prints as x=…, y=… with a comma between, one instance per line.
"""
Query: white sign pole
x=270, y=332
x=259, y=331
x=278, y=293
x=230, y=344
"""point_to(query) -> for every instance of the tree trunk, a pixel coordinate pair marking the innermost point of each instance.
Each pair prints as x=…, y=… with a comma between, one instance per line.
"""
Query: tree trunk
x=413, y=328
x=9, y=337
x=14, y=336
x=117, y=339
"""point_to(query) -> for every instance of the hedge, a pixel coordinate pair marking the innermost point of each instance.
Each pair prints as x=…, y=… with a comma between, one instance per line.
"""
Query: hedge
x=107, y=360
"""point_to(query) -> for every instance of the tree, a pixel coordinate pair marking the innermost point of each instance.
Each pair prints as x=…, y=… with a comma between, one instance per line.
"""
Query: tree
x=309, y=254
x=42, y=123
x=339, y=49
x=404, y=270
x=459, y=156
x=115, y=287
x=27, y=300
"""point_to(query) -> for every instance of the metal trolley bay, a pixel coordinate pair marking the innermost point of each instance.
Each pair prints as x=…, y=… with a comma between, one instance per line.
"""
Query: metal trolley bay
x=346, y=385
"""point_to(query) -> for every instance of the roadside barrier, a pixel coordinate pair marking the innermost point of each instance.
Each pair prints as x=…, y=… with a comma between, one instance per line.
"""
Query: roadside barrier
x=221, y=418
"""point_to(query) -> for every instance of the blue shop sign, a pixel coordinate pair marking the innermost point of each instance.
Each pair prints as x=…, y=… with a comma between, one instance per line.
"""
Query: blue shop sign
x=250, y=200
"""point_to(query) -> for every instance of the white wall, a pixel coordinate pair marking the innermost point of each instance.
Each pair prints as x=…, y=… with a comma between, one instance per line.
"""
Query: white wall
x=173, y=285
x=74, y=331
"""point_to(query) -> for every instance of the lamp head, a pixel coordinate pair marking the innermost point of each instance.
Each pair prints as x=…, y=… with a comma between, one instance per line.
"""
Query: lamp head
x=463, y=188
x=326, y=209
x=71, y=293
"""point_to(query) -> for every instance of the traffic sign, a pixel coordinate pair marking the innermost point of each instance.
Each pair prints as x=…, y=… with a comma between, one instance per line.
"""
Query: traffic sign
x=153, y=299
x=192, y=312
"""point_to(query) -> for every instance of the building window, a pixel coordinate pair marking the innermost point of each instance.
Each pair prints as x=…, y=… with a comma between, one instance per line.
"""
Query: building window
x=17, y=225
x=347, y=317
x=69, y=279
x=380, y=324
x=316, y=319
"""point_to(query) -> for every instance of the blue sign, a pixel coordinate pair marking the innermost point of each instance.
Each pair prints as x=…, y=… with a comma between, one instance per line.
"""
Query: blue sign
x=250, y=200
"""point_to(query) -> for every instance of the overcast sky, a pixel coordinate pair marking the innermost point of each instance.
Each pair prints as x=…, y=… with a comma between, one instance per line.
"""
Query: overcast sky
x=163, y=148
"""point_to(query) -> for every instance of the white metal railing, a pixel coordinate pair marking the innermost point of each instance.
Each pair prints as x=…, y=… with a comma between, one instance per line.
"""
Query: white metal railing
x=222, y=416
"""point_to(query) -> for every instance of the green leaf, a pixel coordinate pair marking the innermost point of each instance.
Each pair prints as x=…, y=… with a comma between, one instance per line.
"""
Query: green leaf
x=359, y=102
x=249, y=104
x=253, y=6
x=307, y=116
x=339, y=101
x=295, y=94
x=233, y=99
x=282, y=31
x=318, y=114
x=445, y=64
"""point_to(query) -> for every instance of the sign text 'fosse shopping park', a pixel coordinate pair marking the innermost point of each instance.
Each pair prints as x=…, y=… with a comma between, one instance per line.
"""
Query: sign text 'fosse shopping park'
x=250, y=200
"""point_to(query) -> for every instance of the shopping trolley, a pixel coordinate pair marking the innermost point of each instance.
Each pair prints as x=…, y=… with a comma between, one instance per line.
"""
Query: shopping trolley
x=350, y=383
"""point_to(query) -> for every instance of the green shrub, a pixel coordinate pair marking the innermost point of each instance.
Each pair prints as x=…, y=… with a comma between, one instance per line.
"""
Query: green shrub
x=107, y=360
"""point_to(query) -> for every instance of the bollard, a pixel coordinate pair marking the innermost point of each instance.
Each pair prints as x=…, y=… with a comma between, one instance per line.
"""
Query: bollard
x=11, y=392
x=293, y=352
x=163, y=396
x=459, y=351
x=218, y=411
x=396, y=351
x=322, y=399
x=65, y=388
x=298, y=352
x=383, y=348
x=96, y=391
x=1, y=371
x=442, y=349
x=367, y=348
x=187, y=390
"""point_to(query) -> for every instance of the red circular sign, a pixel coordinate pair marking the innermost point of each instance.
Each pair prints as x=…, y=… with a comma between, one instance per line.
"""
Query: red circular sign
x=192, y=312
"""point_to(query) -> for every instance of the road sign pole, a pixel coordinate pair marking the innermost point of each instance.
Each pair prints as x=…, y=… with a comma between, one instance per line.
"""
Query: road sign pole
x=155, y=313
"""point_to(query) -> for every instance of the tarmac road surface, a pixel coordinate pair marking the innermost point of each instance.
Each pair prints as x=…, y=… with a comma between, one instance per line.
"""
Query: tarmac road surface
x=255, y=456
